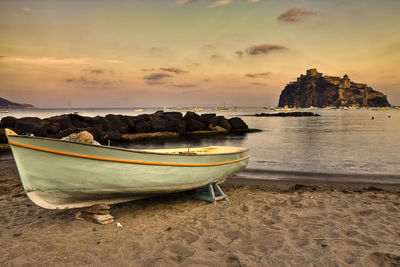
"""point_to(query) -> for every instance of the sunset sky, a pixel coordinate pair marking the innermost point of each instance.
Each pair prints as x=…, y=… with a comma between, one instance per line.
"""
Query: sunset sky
x=141, y=53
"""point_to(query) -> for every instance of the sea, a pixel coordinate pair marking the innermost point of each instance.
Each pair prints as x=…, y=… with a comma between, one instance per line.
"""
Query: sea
x=360, y=145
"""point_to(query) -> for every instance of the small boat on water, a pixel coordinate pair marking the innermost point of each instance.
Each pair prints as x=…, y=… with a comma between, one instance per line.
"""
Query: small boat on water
x=59, y=174
x=3, y=111
x=138, y=109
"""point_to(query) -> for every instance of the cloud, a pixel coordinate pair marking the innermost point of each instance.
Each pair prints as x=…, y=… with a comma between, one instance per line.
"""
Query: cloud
x=97, y=71
x=255, y=75
x=239, y=53
x=190, y=91
x=148, y=69
x=220, y=3
x=67, y=61
x=263, y=49
x=88, y=81
x=215, y=56
x=253, y=1
x=157, y=76
x=184, y=2
x=26, y=9
x=216, y=3
x=259, y=84
x=155, y=82
x=295, y=14
x=174, y=70
x=159, y=51
x=184, y=85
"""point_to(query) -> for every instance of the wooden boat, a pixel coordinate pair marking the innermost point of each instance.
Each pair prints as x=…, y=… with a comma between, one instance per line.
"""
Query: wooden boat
x=59, y=174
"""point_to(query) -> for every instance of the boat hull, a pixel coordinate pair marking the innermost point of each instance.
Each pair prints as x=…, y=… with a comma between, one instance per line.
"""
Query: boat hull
x=61, y=175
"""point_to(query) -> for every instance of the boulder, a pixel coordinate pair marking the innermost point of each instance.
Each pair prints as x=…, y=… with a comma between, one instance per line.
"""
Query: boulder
x=26, y=125
x=67, y=132
x=53, y=128
x=159, y=125
x=142, y=126
x=221, y=121
x=3, y=137
x=116, y=123
x=114, y=135
x=238, y=123
x=195, y=125
x=173, y=116
x=206, y=118
x=8, y=122
x=41, y=129
x=192, y=115
x=99, y=135
x=217, y=128
x=159, y=113
x=177, y=126
x=80, y=124
x=63, y=121
x=130, y=121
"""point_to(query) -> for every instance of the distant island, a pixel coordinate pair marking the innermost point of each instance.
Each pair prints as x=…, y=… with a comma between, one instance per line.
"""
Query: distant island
x=6, y=104
x=315, y=89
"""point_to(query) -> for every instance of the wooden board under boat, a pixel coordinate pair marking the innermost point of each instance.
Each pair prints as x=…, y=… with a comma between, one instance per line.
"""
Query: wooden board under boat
x=59, y=174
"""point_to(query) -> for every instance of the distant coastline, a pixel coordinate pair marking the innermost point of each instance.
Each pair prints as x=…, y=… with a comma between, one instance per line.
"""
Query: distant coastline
x=6, y=104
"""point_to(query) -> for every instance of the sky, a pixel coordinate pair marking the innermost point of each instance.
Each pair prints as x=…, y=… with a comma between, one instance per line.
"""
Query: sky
x=144, y=53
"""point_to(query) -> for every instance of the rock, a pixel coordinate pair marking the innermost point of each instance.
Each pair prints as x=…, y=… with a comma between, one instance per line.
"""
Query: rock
x=116, y=123
x=99, y=135
x=41, y=129
x=206, y=118
x=238, y=123
x=192, y=115
x=178, y=126
x=8, y=122
x=3, y=137
x=26, y=125
x=221, y=121
x=315, y=89
x=97, y=209
x=63, y=121
x=195, y=125
x=97, y=218
x=130, y=121
x=159, y=125
x=67, y=132
x=159, y=113
x=217, y=128
x=83, y=137
x=4, y=147
x=114, y=135
x=173, y=116
x=149, y=136
x=53, y=128
x=142, y=126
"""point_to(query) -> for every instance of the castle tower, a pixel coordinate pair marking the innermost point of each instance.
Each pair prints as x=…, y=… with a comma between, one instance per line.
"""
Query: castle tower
x=346, y=81
x=312, y=72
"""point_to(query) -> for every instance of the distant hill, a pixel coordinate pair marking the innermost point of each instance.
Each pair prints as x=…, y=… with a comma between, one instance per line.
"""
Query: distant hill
x=318, y=90
x=6, y=104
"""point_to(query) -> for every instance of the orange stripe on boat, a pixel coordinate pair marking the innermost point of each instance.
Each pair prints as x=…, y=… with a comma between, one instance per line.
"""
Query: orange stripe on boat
x=125, y=161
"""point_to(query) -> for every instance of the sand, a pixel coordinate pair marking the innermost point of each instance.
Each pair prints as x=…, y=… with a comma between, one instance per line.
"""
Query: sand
x=272, y=224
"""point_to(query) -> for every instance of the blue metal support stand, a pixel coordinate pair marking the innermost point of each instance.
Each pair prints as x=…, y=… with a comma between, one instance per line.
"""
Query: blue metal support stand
x=212, y=192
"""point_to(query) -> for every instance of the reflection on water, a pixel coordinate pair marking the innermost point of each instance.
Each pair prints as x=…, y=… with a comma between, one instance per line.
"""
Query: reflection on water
x=346, y=143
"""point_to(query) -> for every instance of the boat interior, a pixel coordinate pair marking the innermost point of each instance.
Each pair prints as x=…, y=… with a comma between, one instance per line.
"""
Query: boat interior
x=198, y=150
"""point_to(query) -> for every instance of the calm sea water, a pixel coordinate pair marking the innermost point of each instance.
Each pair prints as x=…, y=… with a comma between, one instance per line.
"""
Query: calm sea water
x=339, y=145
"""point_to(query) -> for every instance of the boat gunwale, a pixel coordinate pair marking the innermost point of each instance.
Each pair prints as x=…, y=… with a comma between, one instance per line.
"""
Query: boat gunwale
x=127, y=149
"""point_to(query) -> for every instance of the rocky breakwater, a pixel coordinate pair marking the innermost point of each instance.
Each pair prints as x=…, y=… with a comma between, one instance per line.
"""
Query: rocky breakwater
x=159, y=125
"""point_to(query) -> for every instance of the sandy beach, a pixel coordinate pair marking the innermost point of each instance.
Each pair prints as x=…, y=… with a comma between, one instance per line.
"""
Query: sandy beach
x=263, y=224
